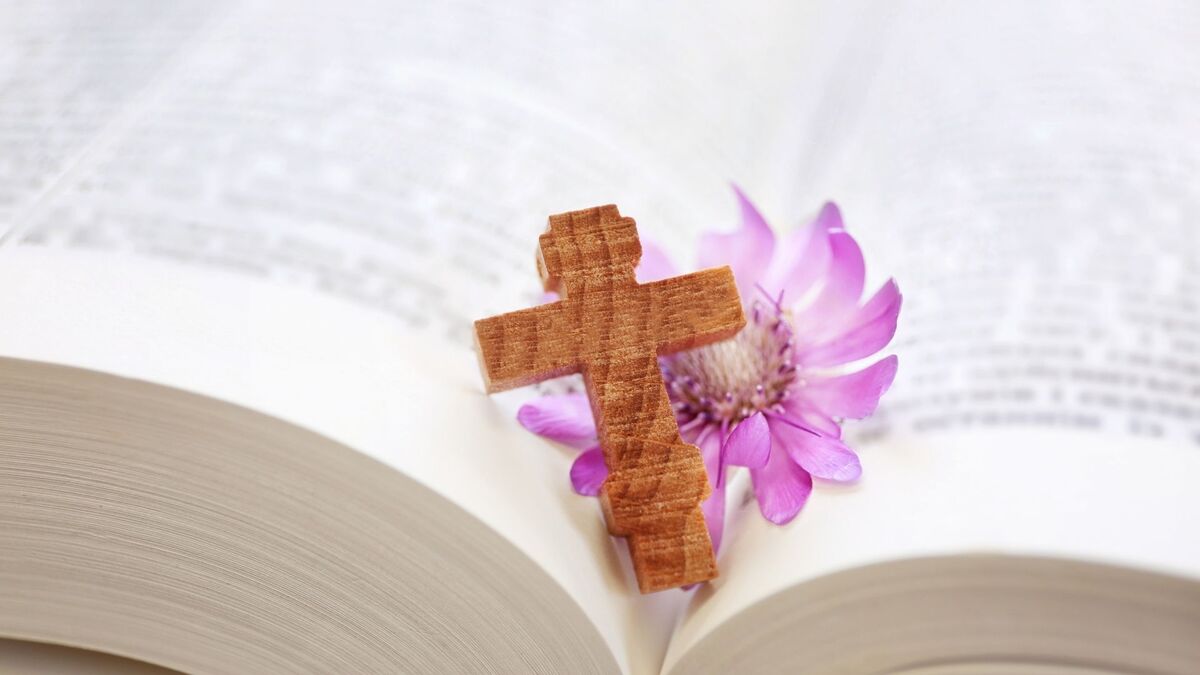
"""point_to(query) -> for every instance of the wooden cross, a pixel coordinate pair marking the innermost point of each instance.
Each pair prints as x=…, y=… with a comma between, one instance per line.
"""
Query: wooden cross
x=612, y=329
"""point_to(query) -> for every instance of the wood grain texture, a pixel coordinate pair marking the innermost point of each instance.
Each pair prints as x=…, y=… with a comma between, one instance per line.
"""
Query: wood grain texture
x=612, y=329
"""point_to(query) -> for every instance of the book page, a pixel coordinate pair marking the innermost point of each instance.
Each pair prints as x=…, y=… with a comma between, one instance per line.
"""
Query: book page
x=34, y=658
x=1027, y=172
x=288, y=205
x=349, y=374
x=403, y=159
x=68, y=71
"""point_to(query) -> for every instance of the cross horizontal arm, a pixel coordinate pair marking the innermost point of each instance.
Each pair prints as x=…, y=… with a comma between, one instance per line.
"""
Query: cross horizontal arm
x=526, y=346
x=695, y=309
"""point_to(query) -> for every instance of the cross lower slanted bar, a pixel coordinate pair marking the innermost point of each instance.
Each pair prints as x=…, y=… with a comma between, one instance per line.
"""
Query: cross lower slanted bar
x=612, y=329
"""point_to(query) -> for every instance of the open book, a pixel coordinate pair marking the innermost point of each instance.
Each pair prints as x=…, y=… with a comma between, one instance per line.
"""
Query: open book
x=241, y=426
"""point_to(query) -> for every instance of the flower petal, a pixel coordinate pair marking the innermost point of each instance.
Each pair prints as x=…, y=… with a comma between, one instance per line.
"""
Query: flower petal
x=843, y=282
x=782, y=487
x=885, y=298
x=827, y=458
x=802, y=258
x=714, y=516
x=749, y=444
x=747, y=251
x=566, y=418
x=858, y=342
x=855, y=395
x=802, y=412
x=655, y=264
x=820, y=456
x=588, y=472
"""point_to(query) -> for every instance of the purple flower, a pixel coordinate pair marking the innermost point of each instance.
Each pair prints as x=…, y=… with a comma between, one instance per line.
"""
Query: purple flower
x=772, y=398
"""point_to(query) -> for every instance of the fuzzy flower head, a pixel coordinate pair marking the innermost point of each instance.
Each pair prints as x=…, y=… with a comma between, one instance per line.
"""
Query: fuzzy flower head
x=772, y=398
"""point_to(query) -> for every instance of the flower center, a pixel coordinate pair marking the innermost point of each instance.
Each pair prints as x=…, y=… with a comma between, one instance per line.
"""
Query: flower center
x=726, y=382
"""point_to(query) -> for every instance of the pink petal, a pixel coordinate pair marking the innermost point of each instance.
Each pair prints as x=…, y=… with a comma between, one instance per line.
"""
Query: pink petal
x=714, y=516
x=830, y=218
x=655, y=264
x=709, y=442
x=818, y=331
x=822, y=457
x=588, y=472
x=566, y=418
x=843, y=283
x=855, y=395
x=801, y=411
x=781, y=487
x=547, y=297
x=887, y=297
x=802, y=258
x=827, y=458
x=747, y=251
x=749, y=444
x=859, y=342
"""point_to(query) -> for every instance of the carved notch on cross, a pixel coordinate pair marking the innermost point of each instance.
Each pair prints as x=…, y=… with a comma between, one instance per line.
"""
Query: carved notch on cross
x=612, y=329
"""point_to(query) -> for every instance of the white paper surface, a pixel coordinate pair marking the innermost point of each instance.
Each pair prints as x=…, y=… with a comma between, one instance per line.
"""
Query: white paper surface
x=348, y=373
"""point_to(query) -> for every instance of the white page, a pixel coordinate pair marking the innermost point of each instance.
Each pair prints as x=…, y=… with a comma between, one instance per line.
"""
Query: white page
x=399, y=158
x=70, y=70
x=1027, y=171
x=405, y=157
x=347, y=373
